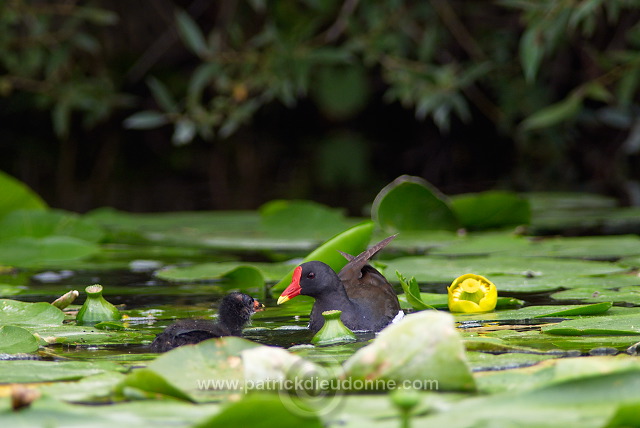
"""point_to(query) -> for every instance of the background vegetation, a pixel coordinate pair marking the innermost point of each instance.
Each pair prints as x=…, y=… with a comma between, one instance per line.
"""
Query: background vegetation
x=216, y=105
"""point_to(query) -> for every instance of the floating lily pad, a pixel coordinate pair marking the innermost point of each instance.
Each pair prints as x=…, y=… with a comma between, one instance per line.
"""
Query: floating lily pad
x=424, y=345
x=57, y=413
x=284, y=218
x=410, y=203
x=94, y=388
x=41, y=224
x=483, y=244
x=263, y=411
x=490, y=210
x=629, y=294
x=48, y=371
x=582, y=401
x=508, y=273
x=15, y=340
x=14, y=312
x=540, y=311
x=242, y=276
x=481, y=361
x=81, y=335
x=439, y=301
x=602, y=325
x=28, y=251
x=189, y=368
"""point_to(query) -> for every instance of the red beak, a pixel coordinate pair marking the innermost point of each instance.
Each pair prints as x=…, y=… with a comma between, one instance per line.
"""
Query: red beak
x=294, y=288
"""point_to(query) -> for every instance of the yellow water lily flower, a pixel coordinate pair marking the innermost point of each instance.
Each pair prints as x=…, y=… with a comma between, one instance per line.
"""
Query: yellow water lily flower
x=472, y=293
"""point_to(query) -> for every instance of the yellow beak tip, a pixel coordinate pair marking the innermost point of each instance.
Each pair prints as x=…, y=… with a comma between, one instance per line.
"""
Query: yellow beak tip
x=282, y=299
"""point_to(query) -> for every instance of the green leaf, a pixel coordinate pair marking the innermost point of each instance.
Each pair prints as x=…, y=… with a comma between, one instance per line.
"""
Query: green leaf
x=507, y=272
x=424, y=346
x=239, y=275
x=489, y=210
x=412, y=292
x=16, y=195
x=188, y=368
x=594, y=309
x=271, y=410
x=147, y=119
x=14, y=312
x=554, y=114
x=601, y=325
x=148, y=383
x=24, y=371
x=15, y=340
x=352, y=241
x=191, y=34
x=410, y=203
x=27, y=251
x=162, y=95
x=40, y=224
x=531, y=52
x=628, y=295
x=286, y=218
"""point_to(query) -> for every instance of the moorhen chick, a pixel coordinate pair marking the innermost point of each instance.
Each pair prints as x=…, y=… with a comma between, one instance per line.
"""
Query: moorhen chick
x=235, y=311
x=363, y=294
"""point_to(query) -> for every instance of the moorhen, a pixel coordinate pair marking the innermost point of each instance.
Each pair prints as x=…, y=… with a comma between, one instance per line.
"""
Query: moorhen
x=363, y=294
x=235, y=310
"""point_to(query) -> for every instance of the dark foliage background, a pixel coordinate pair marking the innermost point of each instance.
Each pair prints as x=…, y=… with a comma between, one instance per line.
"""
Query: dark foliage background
x=181, y=105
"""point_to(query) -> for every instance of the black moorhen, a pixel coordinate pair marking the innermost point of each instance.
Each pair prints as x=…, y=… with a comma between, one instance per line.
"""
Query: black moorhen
x=235, y=310
x=363, y=294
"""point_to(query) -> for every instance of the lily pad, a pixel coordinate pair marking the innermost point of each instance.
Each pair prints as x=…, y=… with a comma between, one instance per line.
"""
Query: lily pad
x=16, y=195
x=15, y=340
x=284, y=218
x=481, y=361
x=191, y=369
x=23, y=371
x=539, y=311
x=602, y=325
x=14, y=312
x=263, y=410
x=28, y=251
x=41, y=224
x=242, y=276
x=516, y=274
x=440, y=301
x=490, y=210
x=410, y=203
x=424, y=345
x=630, y=294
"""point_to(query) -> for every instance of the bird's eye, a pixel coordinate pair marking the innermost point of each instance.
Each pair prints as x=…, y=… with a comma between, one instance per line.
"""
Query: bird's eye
x=311, y=275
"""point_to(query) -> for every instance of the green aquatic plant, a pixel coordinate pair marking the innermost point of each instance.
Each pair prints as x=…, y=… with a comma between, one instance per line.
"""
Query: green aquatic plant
x=333, y=331
x=96, y=308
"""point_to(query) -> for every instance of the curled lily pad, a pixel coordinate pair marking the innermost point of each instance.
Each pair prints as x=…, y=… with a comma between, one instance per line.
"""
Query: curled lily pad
x=424, y=346
x=411, y=203
x=17, y=195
